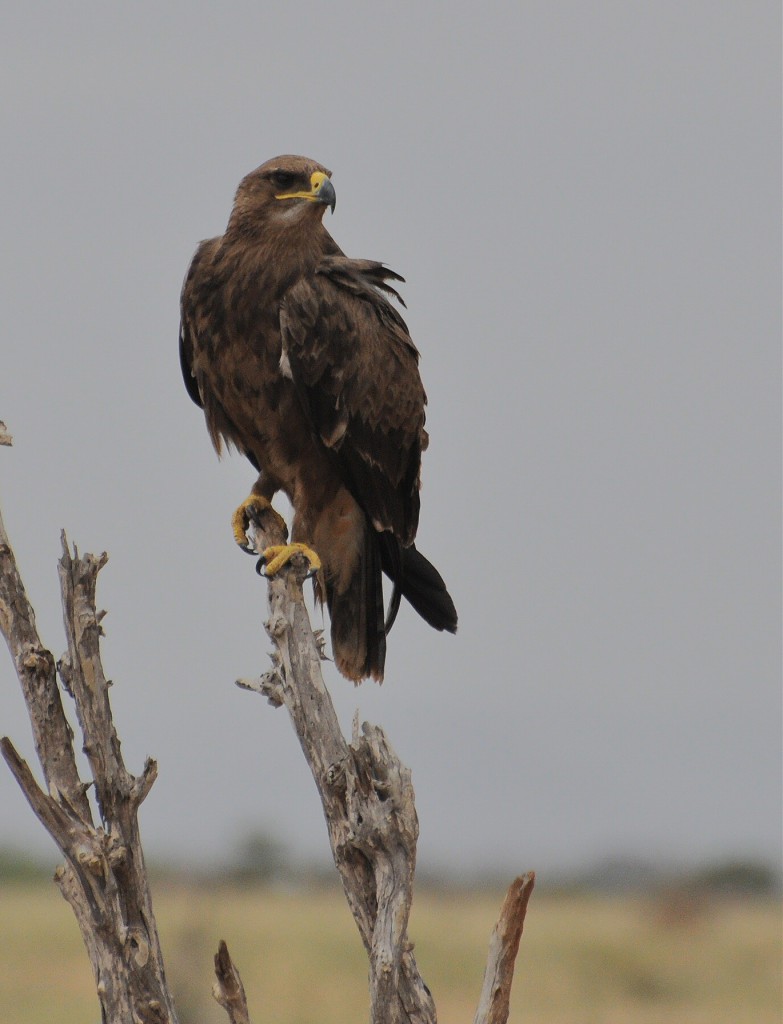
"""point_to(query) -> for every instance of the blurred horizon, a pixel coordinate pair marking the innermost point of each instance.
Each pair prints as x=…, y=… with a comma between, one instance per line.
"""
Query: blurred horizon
x=262, y=858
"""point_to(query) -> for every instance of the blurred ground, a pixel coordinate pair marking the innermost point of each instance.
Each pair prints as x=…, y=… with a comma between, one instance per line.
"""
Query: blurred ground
x=585, y=959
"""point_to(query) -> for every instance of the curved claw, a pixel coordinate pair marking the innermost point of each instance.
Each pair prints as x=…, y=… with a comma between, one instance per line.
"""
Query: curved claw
x=252, y=506
x=275, y=557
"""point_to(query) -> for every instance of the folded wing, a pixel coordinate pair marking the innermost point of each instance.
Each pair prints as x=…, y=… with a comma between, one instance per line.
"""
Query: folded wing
x=355, y=368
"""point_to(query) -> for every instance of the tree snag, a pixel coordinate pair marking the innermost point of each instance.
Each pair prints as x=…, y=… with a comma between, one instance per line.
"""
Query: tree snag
x=365, y=791
x=368, y=802
x=104, y=876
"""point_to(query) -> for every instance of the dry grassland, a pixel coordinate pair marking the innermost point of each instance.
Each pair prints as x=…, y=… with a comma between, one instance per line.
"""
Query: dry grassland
x=583, y=960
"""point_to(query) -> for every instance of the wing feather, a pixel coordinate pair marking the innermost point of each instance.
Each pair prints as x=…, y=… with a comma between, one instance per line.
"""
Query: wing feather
x=186, y=364
x=356, y=372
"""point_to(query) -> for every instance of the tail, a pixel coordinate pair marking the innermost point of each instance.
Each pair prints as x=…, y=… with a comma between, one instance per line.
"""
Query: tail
x=416, y=579
x=356, y=614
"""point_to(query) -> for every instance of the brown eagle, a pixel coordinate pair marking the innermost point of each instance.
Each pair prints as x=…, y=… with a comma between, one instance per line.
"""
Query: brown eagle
x=301, y=362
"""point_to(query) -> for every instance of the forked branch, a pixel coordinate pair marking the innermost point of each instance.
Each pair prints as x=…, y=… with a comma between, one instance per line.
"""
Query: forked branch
x=104, y=877
x=368, y=802
x=365, y=791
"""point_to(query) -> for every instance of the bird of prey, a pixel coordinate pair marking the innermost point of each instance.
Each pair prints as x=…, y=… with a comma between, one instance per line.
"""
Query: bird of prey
x=301, y=362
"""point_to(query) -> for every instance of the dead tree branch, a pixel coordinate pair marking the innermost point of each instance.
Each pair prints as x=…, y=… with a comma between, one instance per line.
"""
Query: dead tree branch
x=368, y=803
x=228, y=989
x=104, y=878
x=495, y=997
x=366, y=795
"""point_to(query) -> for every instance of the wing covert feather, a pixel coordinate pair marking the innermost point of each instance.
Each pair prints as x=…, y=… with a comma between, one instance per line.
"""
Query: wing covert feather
x=356, y=371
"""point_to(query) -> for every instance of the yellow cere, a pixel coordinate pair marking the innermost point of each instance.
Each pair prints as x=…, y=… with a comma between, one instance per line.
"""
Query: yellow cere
x=317, y=178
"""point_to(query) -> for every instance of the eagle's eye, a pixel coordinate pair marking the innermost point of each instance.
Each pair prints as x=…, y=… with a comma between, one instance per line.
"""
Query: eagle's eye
x=283, y=179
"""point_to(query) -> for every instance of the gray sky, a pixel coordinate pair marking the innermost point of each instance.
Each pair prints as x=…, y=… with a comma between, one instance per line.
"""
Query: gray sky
x=584, y=199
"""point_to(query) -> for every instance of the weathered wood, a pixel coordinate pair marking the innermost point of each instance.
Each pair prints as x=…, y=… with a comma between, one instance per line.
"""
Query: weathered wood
x=494, y=1002
x=228, y=989
x=366, y=795
x=368, y=803
x=104, y=878
x=35, y=668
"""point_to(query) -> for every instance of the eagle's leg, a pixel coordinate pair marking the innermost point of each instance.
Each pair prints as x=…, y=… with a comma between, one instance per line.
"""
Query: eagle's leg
x=274, y=558
x=256, y=506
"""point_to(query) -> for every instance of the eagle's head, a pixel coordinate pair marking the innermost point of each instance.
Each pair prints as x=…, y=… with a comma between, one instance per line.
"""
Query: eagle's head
x=284, y=189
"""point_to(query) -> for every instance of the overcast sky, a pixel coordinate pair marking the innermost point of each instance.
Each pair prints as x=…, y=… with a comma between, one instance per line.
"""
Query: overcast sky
x=584, y=200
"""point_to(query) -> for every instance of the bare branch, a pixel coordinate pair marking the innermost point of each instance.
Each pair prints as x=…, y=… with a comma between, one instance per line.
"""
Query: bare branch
x=82, y=669
x=5, y=437
x=365, y=791
x=495, y=997
x=368, y=802
x=104, y=878
x=366, y=794
x=35, y=668
x=57, y=819
x=228, y=989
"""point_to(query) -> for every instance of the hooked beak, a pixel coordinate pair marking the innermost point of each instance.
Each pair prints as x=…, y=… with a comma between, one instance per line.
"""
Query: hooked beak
x=321, y=191
x=326, y=194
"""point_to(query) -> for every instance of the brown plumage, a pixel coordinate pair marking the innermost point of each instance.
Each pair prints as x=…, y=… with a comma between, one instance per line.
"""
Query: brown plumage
x=301, y=362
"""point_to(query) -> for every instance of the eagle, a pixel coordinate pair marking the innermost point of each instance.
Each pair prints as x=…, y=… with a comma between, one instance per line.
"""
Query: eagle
x=301, y=362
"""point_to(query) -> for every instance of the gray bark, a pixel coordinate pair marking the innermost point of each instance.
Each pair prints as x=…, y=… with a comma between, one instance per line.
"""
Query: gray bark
x=365, y=791
x=368, y=803
x=104, y=877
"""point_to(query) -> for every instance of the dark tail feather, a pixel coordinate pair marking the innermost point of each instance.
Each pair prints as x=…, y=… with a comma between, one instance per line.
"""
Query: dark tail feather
x=376, y=634
x=391, y=560
x=358, y=634
x=416, y=579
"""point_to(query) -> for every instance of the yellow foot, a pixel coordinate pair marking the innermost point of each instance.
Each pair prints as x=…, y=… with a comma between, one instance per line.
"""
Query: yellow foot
x=277, y=556
x=254, y=506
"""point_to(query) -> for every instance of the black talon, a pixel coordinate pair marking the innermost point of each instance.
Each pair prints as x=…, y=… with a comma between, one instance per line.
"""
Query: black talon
x=260, y=564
